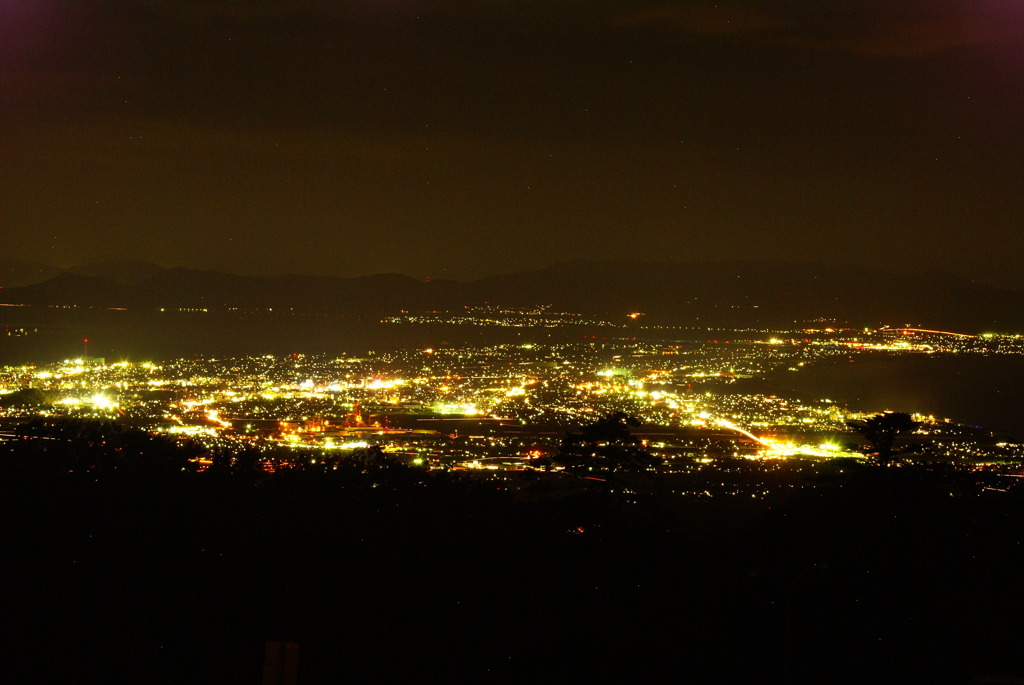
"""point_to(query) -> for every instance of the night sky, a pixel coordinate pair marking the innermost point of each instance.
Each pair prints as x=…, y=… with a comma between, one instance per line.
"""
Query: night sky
x=462, y=139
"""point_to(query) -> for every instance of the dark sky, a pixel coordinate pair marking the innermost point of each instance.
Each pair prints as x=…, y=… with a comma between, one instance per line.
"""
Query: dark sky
x=462, y=139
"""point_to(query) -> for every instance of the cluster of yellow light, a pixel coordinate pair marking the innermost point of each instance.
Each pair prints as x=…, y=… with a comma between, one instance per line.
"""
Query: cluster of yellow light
x=780, y=450
x=725, y=423
x=378, y=384
x=476, y=464
x=98, y=401
x=354, y=445
x=897, y=346
x=192, y=404
x=774, y=449
x=468, y=408
x=214, y=416
x=191, y=430
x=102, y=402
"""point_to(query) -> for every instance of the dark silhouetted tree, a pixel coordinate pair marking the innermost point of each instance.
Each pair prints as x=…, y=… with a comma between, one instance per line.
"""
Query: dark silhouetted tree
x=606, y=444
x=28, y=397
x=881, y=431
x=95, y=447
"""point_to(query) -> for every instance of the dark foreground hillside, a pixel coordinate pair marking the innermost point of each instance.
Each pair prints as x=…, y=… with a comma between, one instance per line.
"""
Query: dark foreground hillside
x=142, y=574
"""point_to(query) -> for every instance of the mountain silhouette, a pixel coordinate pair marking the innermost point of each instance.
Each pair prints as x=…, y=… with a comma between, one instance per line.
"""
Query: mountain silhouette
x=737, y=293
x=123, y=271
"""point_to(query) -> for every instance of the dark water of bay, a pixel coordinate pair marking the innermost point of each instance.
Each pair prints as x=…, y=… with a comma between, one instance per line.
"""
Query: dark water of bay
x=986, y=391
x=118, y=336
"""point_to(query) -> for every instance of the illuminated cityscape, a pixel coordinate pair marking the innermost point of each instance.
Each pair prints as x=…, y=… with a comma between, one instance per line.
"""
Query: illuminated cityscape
x=507, y=406
x=512, y=342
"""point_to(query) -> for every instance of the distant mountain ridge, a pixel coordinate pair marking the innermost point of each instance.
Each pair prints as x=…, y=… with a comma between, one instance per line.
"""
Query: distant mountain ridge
x=736, y=293
x=123, y=271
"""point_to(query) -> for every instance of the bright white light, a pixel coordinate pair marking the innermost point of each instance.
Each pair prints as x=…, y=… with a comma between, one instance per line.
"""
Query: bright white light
x=102, y=401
